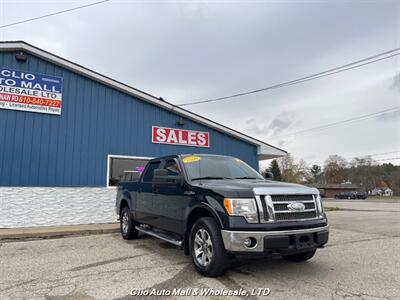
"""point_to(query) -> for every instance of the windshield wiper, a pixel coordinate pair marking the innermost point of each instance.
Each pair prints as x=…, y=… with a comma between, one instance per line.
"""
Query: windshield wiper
x=209, y=177
x=245, y=177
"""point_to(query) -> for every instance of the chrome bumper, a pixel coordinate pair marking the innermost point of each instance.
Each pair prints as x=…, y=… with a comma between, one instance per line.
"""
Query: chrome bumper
x=234, y=240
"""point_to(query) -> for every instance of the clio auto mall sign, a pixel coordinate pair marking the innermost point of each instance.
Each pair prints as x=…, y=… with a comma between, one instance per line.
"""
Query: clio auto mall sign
x=181, y=137
x=28, y=91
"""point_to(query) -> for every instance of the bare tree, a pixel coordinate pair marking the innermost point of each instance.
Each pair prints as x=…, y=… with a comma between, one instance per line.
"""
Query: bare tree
x=362, y=172
x=293, y=172
x=335, y=169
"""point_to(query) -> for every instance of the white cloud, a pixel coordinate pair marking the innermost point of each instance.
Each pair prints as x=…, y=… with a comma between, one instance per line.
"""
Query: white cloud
x=193, y=51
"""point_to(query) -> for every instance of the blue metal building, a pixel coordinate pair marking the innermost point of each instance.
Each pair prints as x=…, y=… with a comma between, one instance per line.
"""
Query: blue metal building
x=96, y=120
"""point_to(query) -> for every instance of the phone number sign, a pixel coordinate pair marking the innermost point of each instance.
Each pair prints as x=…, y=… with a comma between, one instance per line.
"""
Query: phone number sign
x=28, y=91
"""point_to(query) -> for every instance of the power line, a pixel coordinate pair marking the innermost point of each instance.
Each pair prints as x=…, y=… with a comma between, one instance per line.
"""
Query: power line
x=343, y=68
x=343, y=122
x=52, y=14
x=372, y=155
x=383, y=159
x=362, y=156
x=384, y=153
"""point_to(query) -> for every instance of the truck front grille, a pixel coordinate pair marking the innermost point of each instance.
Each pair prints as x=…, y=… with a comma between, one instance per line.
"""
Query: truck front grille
x=296, y=216
x=281, y=211
x=282, y=207
x=288, y=198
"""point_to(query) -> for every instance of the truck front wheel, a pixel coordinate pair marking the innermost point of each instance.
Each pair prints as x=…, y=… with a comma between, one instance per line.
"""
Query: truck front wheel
x=207, y=248
x=300, y=257
x=127, y=224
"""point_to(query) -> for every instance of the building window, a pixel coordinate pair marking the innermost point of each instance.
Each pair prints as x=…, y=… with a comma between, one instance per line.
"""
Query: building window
x=124, y=168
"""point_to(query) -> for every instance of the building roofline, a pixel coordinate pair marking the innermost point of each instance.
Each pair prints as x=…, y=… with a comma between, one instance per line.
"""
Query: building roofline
x=265, y=150
x=337, y=186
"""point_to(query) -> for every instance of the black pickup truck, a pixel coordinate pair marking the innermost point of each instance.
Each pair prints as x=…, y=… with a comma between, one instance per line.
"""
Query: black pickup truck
x=218, y=206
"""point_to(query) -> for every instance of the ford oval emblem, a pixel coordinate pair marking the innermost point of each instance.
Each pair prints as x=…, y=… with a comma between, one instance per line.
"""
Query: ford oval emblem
x=296, y=206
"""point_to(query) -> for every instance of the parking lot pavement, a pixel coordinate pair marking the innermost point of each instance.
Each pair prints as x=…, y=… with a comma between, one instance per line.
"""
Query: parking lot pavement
x=361, y=261
x=367, y=205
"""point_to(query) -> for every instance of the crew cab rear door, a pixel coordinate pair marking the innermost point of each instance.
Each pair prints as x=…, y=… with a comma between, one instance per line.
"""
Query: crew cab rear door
x=146, y=191
x=170, y=202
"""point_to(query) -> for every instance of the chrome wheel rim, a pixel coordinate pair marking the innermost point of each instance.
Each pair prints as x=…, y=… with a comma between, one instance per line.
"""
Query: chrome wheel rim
x=203, y=248
x=125, y=222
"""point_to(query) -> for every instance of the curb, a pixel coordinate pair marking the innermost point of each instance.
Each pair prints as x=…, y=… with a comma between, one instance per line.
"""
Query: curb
x=16, y=234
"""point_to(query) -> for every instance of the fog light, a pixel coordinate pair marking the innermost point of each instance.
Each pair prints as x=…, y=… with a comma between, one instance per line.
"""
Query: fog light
x=250, y=242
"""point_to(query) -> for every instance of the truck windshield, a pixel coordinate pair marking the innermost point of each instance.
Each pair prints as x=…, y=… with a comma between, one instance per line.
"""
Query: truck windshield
x=218, y=167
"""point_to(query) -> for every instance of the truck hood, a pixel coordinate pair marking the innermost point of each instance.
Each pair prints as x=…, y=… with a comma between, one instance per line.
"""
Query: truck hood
x=248, y=188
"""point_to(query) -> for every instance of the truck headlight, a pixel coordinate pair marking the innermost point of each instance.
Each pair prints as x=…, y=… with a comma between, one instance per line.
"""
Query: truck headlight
x=320, y=207
x=245, y=207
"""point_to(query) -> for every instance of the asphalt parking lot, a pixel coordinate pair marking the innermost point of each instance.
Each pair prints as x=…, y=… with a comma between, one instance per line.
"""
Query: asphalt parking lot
x=361, y=261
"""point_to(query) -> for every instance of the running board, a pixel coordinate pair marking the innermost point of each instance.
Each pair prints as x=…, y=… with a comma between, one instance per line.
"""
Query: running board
x=160, y=236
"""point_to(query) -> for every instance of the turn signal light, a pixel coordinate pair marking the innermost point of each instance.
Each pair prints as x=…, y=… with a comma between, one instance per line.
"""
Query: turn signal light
x=228, y=206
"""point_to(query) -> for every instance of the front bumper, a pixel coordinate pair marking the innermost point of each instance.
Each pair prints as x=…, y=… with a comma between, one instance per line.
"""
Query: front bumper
x=276, y=241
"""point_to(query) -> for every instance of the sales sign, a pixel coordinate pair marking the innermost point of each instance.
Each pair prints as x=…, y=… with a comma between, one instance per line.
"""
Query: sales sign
x=182, y=137
x=28, y=91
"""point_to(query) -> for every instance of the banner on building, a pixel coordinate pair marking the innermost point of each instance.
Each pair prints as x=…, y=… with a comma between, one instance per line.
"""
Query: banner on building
x=28, y=91
x=181, y=137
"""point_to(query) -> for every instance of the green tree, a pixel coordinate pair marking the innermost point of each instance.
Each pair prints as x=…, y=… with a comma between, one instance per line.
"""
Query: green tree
x=275, y=170
x=315, y=171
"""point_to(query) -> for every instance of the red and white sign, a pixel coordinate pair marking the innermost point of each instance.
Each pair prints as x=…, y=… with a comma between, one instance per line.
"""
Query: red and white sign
x=182, y=137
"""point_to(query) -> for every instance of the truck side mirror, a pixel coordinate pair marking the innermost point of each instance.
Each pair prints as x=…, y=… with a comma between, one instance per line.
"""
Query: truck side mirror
x=269, y=175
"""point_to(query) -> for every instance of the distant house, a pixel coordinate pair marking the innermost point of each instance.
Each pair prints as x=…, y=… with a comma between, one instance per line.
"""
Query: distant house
x=329, y=190
x=388, y=192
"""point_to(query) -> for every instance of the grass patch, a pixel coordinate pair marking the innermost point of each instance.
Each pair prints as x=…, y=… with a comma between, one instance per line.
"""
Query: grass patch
x=331, y=208
x=395, y=198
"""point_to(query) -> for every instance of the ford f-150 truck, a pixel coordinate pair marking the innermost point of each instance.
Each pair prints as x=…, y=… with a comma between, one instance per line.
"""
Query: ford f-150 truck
x=218, y=206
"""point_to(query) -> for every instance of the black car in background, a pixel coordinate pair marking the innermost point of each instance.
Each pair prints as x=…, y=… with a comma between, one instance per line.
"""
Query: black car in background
x=351, y=195
x=361, y=195
x=346, y=195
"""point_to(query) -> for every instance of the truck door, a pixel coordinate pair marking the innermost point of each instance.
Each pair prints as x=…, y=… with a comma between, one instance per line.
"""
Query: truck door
x=170, y=202
x=144, y=204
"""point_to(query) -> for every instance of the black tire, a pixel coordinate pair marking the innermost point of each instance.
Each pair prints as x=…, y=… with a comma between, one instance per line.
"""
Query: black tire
x=127, y=226
x=218, y=259
x=300, y=257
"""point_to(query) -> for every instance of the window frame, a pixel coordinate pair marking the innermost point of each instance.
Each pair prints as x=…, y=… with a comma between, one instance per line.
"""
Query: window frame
x=109, y=156
x=181, y=174
x=160, y=163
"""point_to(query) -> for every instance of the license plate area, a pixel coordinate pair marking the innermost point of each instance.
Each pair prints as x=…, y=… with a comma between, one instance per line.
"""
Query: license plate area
x=303, y=241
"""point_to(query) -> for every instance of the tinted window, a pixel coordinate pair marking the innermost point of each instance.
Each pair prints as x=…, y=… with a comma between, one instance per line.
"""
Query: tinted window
x=218, y=167
x=149, y=172
x=125, y=169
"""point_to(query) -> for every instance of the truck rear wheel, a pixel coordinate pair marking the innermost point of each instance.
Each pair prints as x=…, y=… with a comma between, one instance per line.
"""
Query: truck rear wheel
x=300, y=257
x=127, y=224
x=207, y=248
